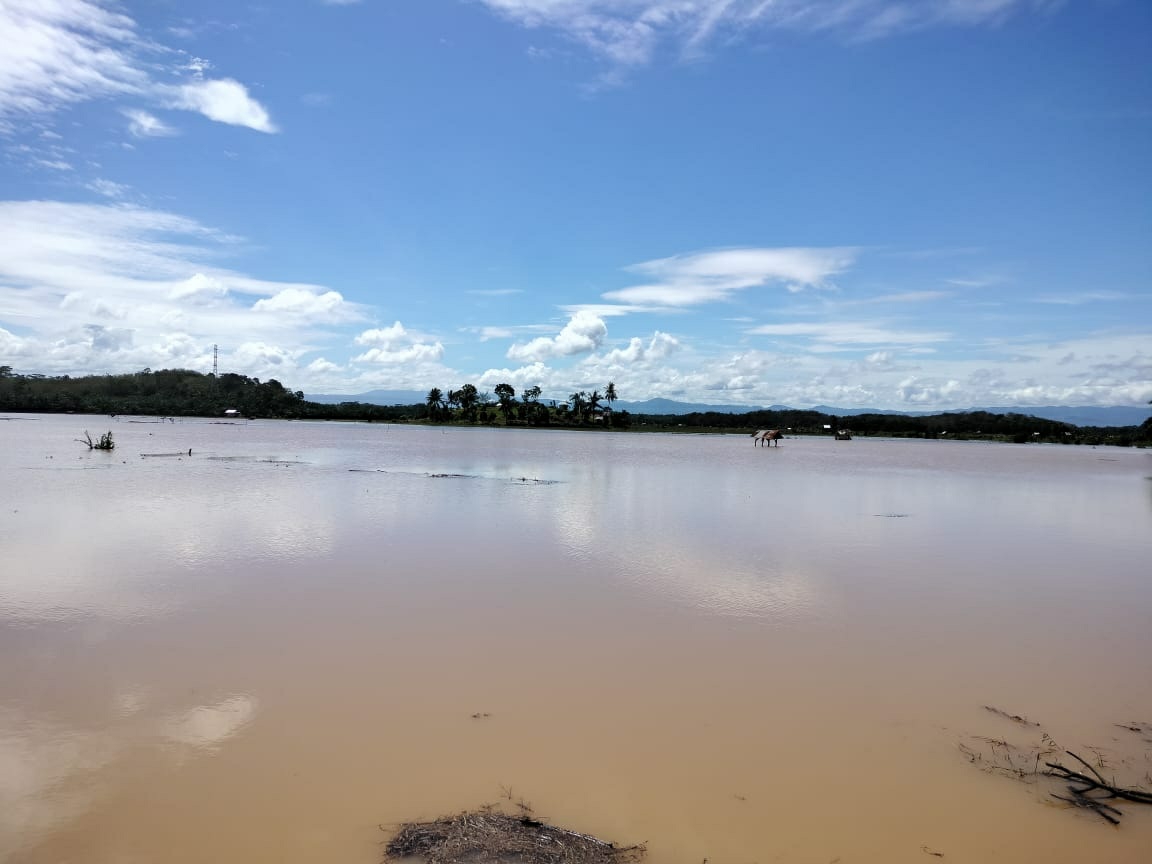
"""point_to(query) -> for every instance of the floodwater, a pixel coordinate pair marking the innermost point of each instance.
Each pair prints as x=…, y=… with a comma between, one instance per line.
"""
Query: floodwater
x=301, y=632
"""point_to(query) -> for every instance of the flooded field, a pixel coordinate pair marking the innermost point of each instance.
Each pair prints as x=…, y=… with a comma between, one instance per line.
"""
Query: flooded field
x=267, y=649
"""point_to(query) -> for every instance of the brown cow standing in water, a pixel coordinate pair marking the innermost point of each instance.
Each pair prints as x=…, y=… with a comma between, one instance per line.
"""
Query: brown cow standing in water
x=767, y=435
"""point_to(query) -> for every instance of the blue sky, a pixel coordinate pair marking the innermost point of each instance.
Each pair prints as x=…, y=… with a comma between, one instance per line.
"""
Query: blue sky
x=930, y=204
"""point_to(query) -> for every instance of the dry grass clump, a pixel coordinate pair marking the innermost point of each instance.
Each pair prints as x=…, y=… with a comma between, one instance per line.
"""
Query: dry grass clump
x=488, y=836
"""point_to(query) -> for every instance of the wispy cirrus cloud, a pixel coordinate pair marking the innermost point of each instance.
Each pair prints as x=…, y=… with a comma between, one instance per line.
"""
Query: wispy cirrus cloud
x=902, y=297
x=1081, y=298
x=710, y=277
x=142, y=124
x=495, y=292
x=64, y=52
x=628, y=33
x=849, y=335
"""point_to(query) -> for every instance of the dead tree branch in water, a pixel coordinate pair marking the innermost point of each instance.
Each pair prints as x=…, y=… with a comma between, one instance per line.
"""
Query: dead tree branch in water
x=104, y=442
x=1031, y=763
x=1091, y=792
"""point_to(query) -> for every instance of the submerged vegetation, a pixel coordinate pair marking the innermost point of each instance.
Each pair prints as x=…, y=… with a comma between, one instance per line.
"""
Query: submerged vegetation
x=185, y=393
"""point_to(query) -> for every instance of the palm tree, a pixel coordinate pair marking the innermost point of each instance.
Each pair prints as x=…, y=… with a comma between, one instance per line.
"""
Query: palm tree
x=594, y=403
x=610, y=394
x=433, y=400
x=577, y=400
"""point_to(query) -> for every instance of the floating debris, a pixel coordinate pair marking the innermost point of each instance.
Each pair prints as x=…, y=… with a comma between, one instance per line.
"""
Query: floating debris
x=1015, y=718
x=490, y=835
x=1038, y=761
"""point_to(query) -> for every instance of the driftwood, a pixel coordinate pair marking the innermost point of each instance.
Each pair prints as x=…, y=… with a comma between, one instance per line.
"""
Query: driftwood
x=488, y=835
x=1032, y=763
x=104, y=442
x=1091, y=792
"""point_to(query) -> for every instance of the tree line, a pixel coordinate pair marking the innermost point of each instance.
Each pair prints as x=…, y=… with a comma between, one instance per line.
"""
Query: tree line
x=185, y=393
x=469, y=405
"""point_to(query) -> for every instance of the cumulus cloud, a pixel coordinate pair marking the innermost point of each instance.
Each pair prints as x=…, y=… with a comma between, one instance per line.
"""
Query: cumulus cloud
x=395, y=345
x=660, y=346
x=306, y=303
x=225, y=101
x=117, y=288
x=323, y=366
x=533, y=375
x=628, y=33
x=63, y=52
x=709, y=277
x=584, y=332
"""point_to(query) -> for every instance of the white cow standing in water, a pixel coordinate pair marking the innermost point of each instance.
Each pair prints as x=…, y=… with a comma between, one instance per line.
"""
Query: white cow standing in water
x=764, y=437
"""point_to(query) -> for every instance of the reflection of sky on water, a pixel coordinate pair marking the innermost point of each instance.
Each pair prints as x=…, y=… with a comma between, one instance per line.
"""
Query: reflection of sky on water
x=205, y=728
x=51, y=773
x=708, y=519
x=48, y=776
x=709, y=523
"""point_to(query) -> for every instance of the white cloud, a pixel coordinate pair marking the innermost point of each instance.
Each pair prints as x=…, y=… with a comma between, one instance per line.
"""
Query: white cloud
x=1081, y=298
x=395, y=345
x=323, y=366
x=58, y=53
x=850, y=335
x=108, y=189
x=262, y=356
x=627, y=33
x=659, y=347
x=305, y=303
x=906, y=297
x=141, y=124
x=584, y=332
x=225, y=101
x=533, y=375
x=709, y=277
x=199, y=286
x=71, y=271
x=609, y=310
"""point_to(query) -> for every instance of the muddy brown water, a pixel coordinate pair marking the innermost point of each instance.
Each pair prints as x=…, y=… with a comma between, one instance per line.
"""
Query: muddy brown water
x=268, y=649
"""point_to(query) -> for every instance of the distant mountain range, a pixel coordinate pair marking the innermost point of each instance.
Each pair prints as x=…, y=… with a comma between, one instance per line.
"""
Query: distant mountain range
x=1087, y=415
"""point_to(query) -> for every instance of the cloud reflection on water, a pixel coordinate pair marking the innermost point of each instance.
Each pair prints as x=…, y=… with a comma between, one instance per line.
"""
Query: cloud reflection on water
x=52, y=773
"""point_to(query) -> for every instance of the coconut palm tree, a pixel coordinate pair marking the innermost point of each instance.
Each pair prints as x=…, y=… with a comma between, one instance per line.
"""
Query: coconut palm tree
x=594, y=403
x=433, y=400
x=610, y=394
x=577, y=402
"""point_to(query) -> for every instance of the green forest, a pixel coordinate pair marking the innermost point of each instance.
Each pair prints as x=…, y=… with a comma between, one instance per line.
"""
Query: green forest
x=185, y=393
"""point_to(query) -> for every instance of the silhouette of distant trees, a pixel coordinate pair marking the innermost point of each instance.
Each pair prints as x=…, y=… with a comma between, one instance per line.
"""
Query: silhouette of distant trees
x=181, y=392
